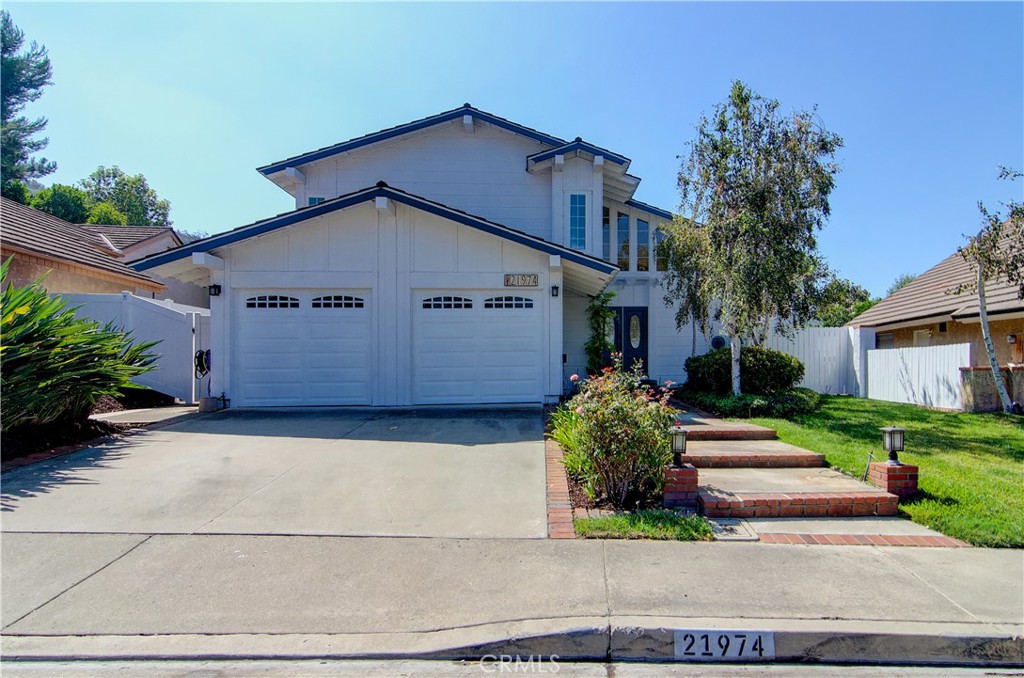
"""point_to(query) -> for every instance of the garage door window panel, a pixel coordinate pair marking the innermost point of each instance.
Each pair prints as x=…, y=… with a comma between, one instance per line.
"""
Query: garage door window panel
x=339, y=301
x=447, y=302
x=271, y=301
x=508, y=303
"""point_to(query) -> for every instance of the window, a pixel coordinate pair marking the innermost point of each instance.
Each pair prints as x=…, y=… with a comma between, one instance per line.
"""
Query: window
x=643, y=245
x=271, y=301
x=508, y=302
x=578, y=221
x=338, y=301
x=660, y=251
x=606, y=235
x=622, y=241
x=314, y=200
x=447, y=302
x=885, y=340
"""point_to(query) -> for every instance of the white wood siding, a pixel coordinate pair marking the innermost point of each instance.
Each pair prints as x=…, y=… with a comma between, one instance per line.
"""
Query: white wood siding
x=483, y=173
x=921, y=376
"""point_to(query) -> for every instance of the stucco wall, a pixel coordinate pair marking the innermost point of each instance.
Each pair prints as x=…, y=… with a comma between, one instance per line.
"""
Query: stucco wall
x=65, y=278
x=961, y=333
x=979, y=389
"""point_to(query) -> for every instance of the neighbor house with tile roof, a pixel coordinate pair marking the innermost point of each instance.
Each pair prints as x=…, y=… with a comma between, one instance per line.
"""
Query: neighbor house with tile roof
x=928, y=312
x=72, y=259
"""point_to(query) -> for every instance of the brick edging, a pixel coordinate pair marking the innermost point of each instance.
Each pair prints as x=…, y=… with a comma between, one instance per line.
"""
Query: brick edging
x=861, y=540
x=559, y=505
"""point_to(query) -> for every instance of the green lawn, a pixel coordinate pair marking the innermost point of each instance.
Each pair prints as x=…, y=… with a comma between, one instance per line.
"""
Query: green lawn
x=971, y=465
x=649, y=524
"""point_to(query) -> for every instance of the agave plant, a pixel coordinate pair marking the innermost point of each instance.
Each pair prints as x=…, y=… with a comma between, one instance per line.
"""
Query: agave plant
x=55, y=366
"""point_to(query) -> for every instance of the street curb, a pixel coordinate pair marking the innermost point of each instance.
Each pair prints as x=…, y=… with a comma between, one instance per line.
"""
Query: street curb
x=636, y=639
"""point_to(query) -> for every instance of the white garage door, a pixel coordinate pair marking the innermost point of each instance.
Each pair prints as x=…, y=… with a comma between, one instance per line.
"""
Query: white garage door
x=477, y=347
x=303, y=348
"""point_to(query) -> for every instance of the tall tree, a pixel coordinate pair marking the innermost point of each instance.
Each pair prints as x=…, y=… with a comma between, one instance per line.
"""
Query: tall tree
x=23, y=75
x=65, y=202
x=841, y=301
x=130, y=194
x=901, y=281
x=996, y=252
x=754, y=190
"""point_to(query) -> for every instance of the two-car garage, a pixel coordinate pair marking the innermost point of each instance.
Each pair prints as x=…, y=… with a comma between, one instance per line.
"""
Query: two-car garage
x=317, y=347
x=385, y=299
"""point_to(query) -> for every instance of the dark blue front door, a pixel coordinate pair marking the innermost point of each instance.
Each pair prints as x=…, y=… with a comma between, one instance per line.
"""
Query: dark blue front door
x=631, y=335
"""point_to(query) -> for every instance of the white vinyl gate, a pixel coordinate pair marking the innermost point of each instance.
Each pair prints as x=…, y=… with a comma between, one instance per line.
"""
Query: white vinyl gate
x=826, y=353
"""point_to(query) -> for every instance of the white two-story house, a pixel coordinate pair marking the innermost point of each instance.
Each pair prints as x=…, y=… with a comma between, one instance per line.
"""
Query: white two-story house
x=449, y=260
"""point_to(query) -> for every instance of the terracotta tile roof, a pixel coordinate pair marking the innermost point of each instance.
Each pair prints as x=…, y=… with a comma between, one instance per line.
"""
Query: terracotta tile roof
x=126, y=236
x=28, y=229
x=926, y=297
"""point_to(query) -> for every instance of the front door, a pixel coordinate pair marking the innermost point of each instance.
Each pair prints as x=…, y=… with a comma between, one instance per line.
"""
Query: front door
x=631, y=335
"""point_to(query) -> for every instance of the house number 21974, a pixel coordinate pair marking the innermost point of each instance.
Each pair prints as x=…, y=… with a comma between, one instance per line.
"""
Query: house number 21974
x=522, y=280
x=703, y=645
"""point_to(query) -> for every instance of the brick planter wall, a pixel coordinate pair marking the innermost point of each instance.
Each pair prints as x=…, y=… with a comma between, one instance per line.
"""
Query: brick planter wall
x=681, y=486
x=899, y=480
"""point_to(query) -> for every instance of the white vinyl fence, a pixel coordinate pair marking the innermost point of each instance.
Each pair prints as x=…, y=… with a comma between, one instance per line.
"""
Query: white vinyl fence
x=920, y=376
x=827, y=355
x=181, y=330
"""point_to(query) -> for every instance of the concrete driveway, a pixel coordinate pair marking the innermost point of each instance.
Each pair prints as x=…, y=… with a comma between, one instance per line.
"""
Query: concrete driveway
x=428, y=473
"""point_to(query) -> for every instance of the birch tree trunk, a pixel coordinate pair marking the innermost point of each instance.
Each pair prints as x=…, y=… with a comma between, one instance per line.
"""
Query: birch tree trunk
x=986, y=333
x=734, y=350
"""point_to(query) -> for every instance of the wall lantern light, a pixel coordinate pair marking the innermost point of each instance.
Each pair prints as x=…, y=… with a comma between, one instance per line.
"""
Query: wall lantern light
x=892, y=442
x=554, y=290
x=214, y=290
x=678, y=445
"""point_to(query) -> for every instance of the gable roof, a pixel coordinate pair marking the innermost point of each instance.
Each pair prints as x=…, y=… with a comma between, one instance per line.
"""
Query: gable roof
x=576, y=146
x=925, y=297
x=381, y=190
x=399, y=130
x=126, y=236
x=30, y=230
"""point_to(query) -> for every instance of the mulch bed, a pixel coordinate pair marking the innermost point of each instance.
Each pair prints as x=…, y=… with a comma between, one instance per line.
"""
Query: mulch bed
x=27, y=440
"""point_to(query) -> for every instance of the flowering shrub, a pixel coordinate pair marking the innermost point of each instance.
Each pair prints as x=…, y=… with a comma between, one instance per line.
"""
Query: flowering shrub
x=622, y=429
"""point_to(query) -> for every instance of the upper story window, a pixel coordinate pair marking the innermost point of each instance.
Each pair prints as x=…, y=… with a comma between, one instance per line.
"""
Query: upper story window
x=660, y=251
x=314, y=200
x=606, y=235
x=578, y=221
x=622, y=241
x=643, y=245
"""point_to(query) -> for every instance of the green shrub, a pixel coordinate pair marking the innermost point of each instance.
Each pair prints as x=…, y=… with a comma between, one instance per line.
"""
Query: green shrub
x=622, y=440
x=55, y=366
x=567, y=430
x=784, y=405
x=763, y=371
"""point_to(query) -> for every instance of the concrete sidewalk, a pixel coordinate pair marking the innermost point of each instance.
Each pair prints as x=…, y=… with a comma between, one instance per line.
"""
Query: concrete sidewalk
x=181, y=596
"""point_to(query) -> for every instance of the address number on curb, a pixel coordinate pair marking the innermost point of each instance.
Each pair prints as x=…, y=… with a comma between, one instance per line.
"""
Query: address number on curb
x=709, y=646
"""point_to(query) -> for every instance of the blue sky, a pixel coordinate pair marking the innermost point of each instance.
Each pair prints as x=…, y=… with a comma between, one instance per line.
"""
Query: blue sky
x=928, y=97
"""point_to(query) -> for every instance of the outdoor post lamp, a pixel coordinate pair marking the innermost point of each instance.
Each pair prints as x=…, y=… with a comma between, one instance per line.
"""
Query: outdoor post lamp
x=678, y=445
x=892, y=442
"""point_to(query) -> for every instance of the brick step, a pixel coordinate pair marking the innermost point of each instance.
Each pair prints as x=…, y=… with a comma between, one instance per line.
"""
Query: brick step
x=750, y=454
x=717, y=503
x=717, y=433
